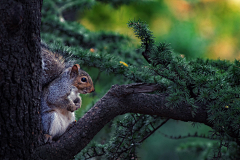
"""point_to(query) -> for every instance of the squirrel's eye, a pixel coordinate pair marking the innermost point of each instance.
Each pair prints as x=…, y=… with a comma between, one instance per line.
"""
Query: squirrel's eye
x=83, y=79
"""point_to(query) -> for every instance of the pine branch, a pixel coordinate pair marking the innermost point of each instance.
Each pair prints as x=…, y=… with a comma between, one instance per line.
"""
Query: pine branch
x=74, y=34
x=154, y=130
x=109, y=63
x=161, y=56
x=189, y=136
x=119, y=100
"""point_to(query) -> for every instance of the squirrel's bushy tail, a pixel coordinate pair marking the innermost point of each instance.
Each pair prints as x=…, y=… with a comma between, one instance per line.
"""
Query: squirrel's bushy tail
x=53, y=64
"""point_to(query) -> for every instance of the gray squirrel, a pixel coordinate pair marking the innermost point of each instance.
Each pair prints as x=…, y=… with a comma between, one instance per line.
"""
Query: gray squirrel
x=62, y=84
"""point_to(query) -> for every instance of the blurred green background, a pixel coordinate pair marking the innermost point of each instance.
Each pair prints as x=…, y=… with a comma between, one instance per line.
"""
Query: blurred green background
x=195, y=28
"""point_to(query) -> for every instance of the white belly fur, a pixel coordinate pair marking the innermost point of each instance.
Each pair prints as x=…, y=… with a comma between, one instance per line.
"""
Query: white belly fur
x=61, y=121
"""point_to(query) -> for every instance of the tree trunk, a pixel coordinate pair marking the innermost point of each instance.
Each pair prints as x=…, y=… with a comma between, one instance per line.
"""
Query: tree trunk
x=20, y=75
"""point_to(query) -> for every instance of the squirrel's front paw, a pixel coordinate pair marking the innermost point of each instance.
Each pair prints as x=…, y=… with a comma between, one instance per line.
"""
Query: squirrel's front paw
x=72, y=108
x=47, y=138
x=78, y=105
x=74, y=105
x=77, y=100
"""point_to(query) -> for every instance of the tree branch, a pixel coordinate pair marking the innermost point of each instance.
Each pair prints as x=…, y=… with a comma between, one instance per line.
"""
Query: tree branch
x=117, y=101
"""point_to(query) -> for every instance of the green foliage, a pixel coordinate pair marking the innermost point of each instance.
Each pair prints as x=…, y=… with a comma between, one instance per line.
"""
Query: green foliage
x=117, y=3
x=200, y=150
x=212, y=83
x=199, y=82
x=209, y=150
x=184, y=34
x=127, y=134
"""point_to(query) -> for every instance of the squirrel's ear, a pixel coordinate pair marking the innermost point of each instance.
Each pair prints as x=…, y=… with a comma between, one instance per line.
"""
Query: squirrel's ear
x=77, y=65
x=74, y=71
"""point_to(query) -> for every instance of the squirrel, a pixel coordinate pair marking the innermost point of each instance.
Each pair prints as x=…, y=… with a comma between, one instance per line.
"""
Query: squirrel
x=62, y=84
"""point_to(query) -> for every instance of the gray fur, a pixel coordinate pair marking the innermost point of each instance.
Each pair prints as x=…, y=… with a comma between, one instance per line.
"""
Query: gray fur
x=53, y=64
x=57, y=104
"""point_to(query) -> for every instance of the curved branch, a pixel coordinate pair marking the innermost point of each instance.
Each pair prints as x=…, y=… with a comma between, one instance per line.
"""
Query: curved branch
x=117, y=101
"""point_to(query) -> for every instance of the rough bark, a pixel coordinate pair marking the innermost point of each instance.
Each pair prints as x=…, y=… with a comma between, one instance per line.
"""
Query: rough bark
x=119, y=100
x=20, y=72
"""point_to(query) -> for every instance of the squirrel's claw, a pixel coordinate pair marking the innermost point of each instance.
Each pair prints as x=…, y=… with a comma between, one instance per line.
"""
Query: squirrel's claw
x=47, y=138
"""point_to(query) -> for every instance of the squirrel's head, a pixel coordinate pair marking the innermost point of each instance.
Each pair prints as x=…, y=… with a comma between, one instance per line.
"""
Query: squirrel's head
x=82, y=80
